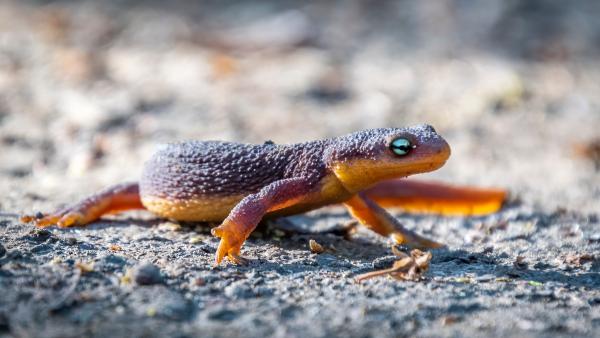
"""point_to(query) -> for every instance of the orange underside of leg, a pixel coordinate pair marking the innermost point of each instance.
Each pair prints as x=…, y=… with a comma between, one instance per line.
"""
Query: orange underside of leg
x=124, y=202
x=435, y=197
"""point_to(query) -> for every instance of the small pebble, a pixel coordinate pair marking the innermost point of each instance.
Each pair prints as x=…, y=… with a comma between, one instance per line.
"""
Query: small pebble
x=169, y=226
x=146, y=274
x=195, y=240
x=594, y=237
x=85, y=267
x=39, y=235
x=55, y=261
x=485, y=278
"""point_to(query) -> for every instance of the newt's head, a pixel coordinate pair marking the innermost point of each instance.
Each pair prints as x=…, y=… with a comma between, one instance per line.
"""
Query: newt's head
x=366, y=157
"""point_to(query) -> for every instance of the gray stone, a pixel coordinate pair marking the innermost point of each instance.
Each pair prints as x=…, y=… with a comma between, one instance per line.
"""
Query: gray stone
x=146, y=273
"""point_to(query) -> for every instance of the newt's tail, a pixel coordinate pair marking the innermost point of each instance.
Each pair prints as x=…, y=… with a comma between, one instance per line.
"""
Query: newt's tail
x=436, y=197
x=121, y=197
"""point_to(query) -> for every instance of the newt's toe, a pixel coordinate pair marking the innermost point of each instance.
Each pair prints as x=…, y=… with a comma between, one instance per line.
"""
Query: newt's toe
x=42, y=222
x=70, y=219
x=62, y=218
x=415, y=241
x=26, y=218
x=221, y=252
x=229, y=246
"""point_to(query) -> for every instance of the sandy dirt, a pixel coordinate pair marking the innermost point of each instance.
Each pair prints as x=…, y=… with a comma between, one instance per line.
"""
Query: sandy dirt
x=89, y=90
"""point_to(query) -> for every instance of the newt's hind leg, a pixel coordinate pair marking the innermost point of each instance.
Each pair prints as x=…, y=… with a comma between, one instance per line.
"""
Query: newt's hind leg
x=444, y=199
x=117, y=198
x=377, y=219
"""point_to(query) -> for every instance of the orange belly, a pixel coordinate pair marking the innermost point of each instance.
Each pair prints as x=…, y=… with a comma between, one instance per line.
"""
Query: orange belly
x=216, y=209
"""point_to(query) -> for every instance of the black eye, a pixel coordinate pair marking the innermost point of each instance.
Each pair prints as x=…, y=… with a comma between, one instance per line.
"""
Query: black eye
x=400, y=146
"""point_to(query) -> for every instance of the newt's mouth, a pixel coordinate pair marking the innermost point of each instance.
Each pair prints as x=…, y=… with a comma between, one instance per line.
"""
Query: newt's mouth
x=417, y=167
x=431, y=160
x=359, y=174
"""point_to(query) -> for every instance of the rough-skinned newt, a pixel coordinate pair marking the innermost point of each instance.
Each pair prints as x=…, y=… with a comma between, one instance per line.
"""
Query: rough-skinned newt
x=239, y=184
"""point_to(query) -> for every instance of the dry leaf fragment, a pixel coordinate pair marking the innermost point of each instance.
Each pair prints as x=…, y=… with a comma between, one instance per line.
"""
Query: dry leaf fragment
x=315, y=247
x=115, y=247
x=406, y=268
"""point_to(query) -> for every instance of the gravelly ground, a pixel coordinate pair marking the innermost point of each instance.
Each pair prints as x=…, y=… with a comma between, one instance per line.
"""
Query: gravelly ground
x=87, y=91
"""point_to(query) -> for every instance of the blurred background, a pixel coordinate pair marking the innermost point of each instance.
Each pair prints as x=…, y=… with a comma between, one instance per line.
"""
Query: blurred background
x=88, y=89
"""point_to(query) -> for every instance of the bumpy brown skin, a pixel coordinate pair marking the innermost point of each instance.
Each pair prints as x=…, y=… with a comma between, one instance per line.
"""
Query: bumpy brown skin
x=239, y=184
x=222, y=172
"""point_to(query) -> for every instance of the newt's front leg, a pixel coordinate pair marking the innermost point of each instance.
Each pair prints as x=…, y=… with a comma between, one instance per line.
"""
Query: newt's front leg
x=379, y=220
x=244, y=218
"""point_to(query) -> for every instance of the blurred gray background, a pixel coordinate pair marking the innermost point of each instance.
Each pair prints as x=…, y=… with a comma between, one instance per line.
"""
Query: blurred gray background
x=89, y=89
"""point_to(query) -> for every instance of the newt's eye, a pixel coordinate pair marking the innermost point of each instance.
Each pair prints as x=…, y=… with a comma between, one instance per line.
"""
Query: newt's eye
x=400, y=146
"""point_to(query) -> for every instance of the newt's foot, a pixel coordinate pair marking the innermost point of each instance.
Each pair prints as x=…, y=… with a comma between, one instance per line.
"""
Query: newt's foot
x=231, y=243
x=63, y=218
x=412, y=240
